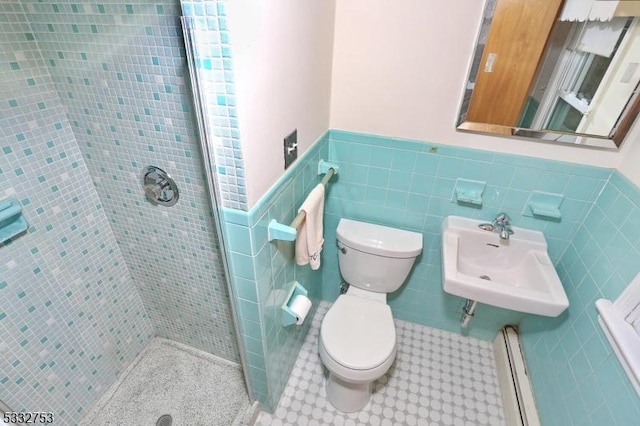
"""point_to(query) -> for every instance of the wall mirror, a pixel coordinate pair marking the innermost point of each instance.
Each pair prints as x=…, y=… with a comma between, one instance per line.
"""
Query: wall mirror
x=559, y=71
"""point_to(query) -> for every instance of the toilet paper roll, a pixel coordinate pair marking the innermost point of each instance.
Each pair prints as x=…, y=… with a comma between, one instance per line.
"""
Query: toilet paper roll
x=300, y=306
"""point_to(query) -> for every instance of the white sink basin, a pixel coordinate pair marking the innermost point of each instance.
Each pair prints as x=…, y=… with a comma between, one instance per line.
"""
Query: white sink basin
x=518, y=273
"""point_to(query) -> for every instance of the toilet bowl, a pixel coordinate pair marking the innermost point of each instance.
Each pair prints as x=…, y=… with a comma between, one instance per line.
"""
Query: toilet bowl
x=357, y=345
x=357, y=341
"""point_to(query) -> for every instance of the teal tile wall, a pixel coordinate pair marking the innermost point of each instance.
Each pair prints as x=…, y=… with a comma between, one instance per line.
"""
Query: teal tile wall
x=119, y=69
x=576, y=377
x=71, y=319
x=409, y=184
x=263, y=271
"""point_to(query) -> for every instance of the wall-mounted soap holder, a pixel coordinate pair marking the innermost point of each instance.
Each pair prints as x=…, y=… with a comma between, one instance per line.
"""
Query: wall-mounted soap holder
x=544, y=205
x=12, y=222
x=469, y=192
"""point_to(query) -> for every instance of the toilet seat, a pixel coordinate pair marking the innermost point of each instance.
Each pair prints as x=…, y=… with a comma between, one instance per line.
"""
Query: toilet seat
x=358, y=334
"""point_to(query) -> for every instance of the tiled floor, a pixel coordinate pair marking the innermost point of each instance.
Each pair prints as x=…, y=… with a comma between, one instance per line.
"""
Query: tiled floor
x=438, y=378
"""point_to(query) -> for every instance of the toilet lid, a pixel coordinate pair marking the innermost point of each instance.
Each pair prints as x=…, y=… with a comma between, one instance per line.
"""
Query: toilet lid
x=358, y=333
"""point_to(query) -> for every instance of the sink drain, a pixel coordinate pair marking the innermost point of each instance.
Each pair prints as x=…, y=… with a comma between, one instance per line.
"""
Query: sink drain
x=485, y=277
x=164, y=420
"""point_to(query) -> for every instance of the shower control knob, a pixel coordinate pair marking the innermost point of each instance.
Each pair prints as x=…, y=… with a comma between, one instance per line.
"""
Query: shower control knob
x=153, y=193
x=158, y=187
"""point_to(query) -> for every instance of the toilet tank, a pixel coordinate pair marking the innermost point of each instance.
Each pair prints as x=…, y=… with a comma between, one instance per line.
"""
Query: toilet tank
x=375, y=257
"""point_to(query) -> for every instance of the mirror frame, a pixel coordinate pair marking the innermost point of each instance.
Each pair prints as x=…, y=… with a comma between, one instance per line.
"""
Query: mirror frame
x=611, y=142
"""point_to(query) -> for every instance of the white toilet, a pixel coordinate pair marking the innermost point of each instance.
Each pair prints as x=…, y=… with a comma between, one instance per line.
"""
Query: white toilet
x=357, y=337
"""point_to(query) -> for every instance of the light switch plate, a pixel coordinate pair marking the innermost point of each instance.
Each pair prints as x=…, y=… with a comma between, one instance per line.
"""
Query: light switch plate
x=290, y=148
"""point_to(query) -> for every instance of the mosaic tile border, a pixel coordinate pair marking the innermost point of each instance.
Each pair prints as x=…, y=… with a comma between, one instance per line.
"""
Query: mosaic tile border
x=214, y=67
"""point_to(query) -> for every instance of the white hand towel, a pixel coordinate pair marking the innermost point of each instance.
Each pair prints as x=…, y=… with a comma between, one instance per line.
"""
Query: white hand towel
x=310, y=234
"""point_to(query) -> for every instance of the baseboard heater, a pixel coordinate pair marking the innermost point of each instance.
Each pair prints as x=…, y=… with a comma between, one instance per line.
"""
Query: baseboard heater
x=517, y=395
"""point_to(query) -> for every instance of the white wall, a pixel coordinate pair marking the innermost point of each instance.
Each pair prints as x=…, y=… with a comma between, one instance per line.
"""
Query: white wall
x=399, y=69
x=282, y=54
x=383, y=67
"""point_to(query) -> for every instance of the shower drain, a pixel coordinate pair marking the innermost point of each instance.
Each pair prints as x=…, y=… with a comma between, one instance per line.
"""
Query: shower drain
x=164, y=420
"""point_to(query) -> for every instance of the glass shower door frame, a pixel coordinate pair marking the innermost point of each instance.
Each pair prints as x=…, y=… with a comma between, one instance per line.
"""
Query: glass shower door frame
x=206, y=145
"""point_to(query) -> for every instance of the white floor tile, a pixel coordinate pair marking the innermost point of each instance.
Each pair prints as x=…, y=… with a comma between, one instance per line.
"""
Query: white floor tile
x=438, y=378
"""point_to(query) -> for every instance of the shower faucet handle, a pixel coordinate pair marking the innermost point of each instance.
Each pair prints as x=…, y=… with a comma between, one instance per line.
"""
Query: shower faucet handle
x=158, y=187
x=153, y=192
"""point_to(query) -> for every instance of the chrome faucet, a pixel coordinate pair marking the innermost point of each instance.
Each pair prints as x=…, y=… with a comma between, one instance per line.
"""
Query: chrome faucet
x=502, y=225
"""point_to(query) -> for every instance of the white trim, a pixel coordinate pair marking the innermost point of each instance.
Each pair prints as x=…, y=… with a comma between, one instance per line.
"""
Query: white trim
x=623, y=339
x=611, y=77
x=548, y=102
x=580, y=104
x=517, y=395
x=596, y=10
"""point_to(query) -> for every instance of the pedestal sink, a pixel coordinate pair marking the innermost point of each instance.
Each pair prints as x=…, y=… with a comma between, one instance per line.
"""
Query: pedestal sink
x=514, y=274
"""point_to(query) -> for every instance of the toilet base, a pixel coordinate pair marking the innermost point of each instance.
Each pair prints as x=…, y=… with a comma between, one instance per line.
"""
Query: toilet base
x=347, y=397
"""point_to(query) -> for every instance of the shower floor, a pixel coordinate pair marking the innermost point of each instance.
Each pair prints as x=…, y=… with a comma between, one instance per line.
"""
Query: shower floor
x=194, y=387
x=438, y=378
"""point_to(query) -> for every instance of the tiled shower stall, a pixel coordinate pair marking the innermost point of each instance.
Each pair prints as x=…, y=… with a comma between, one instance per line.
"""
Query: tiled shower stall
x=91, y=94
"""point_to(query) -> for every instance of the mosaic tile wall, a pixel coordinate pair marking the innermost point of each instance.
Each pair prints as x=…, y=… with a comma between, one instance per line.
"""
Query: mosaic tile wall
x=576, y=376
x=263, y=273
x=213, y=59
x=409, y=184
x=120, y=71
x=71, y=319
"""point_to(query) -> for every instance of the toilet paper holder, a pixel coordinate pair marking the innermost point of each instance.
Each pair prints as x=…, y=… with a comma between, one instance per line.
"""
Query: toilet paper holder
x=288, y=316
